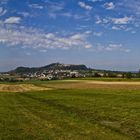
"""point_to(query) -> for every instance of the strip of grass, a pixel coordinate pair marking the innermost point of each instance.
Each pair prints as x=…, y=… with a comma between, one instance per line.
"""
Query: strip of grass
x=74, y=80
x=107, y=79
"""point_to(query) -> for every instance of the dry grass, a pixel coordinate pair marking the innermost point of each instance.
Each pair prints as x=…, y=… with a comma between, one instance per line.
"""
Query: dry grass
x=89, y=84
x=21, y=88
x=112, y=83
x=69, y=84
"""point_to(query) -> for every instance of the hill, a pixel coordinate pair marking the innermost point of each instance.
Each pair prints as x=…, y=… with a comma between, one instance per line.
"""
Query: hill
x=53, y=66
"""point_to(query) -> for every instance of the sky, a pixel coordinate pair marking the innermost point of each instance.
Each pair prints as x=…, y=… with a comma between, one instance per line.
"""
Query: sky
x=102, y=34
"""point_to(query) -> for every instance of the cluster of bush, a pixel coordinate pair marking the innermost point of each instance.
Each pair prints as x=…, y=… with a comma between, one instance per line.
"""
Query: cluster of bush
x=12, y=80
x=128, y=75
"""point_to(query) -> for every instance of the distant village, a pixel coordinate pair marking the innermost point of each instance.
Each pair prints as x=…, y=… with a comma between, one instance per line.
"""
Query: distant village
x=52, y=75
x=64, y=74
x=58, y=71
x=46, y=75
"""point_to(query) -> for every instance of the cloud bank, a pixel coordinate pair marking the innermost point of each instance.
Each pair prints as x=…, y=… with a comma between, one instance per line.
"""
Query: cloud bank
x=32, y=38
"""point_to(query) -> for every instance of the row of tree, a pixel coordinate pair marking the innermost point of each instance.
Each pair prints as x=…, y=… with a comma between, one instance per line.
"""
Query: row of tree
x=128, y=75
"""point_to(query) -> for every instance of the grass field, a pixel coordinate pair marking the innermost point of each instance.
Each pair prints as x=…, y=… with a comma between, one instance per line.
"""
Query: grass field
x=70, y=110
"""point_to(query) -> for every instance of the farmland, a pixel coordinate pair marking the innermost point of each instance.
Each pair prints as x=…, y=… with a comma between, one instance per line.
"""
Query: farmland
x=70, y=110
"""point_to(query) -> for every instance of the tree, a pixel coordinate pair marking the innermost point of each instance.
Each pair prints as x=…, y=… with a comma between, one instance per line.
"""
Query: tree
x=123, y=75
x=73, y=76
x=138, y=74
x=129, y=75
x=111, y=74
x=97, y=74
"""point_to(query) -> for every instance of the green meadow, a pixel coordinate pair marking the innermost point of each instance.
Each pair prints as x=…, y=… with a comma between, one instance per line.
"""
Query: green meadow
x=71, y=110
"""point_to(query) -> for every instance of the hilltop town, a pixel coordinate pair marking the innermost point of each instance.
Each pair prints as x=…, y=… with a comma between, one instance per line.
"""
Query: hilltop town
x=57, y=71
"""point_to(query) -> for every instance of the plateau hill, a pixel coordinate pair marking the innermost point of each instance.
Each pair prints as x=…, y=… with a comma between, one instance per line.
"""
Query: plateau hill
x=53, y=66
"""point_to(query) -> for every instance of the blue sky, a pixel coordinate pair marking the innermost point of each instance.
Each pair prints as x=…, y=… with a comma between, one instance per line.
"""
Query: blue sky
x=101, y=34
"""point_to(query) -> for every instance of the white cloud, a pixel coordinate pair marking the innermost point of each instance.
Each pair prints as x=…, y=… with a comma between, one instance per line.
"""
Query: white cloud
x=54, y=9
x=12, y=20
x=109, y=6
x=84, y=5
x=121, y=27
x=132, y=6
x=4, y=1
x=67, y=14
x=112, y=47
x=36, y=6
x=95, y=0
x=98, y=20
x=116, y=28
x=25, y=14
x=31, y=38
x=98, y=34
x=124, y=20
x=101, y=20
x=2, y=11
x=88, y=32
x=116, y=23
x=88, y=46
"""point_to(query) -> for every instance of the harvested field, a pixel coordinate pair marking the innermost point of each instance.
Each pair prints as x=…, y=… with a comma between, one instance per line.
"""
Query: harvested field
x=112, y=83
x=20, y=88
x=105, y=82
x=90, y=84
